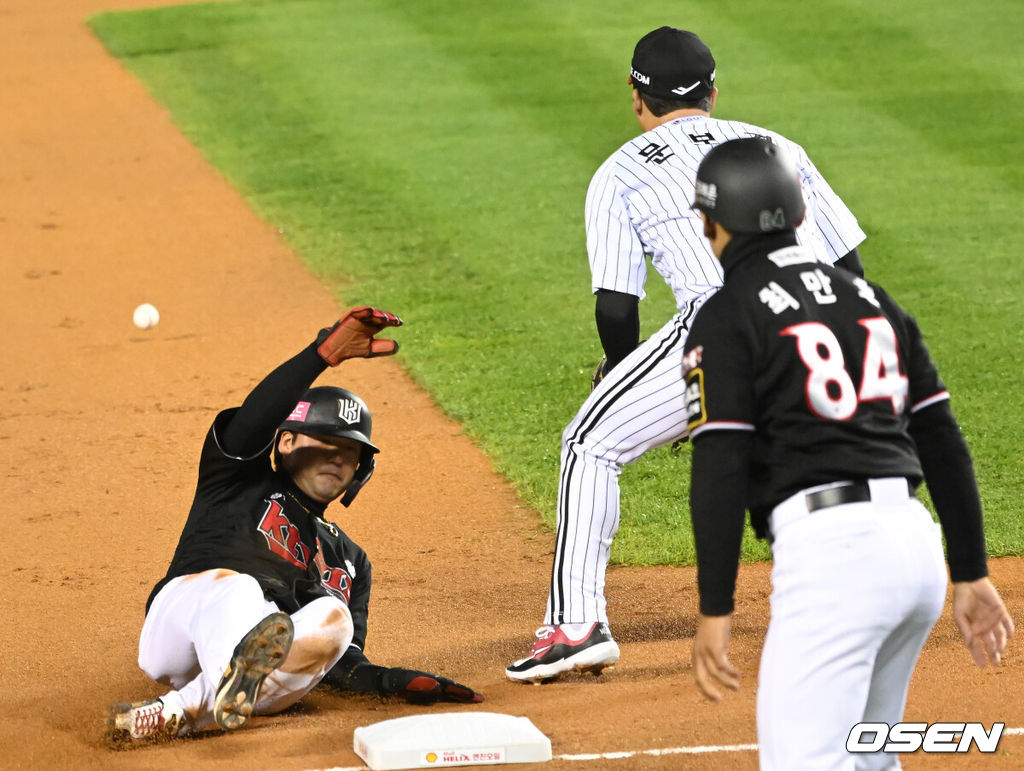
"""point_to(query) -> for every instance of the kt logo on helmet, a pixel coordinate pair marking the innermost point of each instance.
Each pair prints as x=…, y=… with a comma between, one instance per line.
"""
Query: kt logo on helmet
x=348, y=410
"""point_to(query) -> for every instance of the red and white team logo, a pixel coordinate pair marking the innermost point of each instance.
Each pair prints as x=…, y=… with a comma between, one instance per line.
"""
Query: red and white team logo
x=335, y=580
x=282, y=536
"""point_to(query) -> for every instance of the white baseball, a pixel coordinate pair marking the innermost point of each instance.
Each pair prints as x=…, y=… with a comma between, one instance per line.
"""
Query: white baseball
x=146, y=316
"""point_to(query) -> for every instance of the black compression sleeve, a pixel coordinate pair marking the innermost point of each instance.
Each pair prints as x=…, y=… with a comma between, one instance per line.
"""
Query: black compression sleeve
x=618, y=324
x=354, y=672
x=718, y=492
x=949, y=473
x=851, y=262
x=252, y=427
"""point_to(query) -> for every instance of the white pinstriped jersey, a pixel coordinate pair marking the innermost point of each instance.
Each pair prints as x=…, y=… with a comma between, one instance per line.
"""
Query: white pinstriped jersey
x=638, y=205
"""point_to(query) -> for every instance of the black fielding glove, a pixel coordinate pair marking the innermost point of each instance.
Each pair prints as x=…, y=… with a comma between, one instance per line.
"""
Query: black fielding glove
x=424, y=688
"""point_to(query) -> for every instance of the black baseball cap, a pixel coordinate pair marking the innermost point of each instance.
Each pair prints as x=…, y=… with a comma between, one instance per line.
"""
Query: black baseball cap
x=671, y=63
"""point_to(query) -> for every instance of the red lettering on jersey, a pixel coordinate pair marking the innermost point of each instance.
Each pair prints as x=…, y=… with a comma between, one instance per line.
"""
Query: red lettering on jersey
x=282, y=536
x=337, y=581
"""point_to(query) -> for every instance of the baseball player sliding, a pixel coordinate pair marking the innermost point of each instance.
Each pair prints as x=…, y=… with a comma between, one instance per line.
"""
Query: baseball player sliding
x=264, y=597
x=813, y=402
x=638, y=206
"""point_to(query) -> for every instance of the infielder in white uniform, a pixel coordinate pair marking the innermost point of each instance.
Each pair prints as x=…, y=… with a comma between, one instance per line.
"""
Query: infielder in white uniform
x=638, y=206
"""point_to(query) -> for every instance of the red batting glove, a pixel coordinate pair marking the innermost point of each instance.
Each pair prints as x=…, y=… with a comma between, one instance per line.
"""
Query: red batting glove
x=353, y=336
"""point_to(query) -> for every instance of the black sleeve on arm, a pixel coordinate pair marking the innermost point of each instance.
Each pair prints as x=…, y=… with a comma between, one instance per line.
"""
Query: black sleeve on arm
x=949, y=474
x=354, y=672
x=618, y=324
x=718, y=493
x=359, y=599
x=252, y=427
x=851, y=262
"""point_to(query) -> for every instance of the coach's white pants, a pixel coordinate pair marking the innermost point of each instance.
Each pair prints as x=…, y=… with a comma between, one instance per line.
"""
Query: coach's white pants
x=857, y=589
x=638, y=406
x=195, y=622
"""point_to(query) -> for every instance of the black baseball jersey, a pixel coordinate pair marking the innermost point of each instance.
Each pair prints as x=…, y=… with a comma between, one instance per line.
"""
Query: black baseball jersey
x=250, y=518
x=821, y=365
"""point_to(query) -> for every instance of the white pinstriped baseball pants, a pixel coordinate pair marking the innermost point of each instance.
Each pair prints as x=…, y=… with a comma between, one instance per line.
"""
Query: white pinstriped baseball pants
x=638, y=406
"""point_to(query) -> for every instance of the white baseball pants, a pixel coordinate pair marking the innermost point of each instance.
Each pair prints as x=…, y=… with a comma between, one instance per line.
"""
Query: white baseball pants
x=856, y=591
x=195, y=622
x=638, y=406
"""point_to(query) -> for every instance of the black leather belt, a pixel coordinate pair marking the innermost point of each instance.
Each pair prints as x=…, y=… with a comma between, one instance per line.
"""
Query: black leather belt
x=856, y=492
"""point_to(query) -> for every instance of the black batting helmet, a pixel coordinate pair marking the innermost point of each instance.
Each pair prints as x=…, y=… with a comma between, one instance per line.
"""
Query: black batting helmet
x=333, y=411
x=750, y=186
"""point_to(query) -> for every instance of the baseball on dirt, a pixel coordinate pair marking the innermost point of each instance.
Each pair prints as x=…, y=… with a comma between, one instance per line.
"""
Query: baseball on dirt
x=146, y=316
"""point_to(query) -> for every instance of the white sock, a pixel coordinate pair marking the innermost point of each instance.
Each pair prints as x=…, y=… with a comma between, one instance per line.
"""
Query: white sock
x=576, y=631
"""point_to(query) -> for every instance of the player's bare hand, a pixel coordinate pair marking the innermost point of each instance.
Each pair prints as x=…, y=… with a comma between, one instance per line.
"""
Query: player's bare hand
x=711, y=666
x=353, y=336
x=982, y=619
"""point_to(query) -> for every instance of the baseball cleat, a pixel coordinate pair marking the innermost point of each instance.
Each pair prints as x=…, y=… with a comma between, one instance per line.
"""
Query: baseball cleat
x=144, y=720
x=554, y=653
x=260, y=652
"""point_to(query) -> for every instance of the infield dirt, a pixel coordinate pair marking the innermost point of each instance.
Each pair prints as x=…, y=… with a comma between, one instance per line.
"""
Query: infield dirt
x=105, y=206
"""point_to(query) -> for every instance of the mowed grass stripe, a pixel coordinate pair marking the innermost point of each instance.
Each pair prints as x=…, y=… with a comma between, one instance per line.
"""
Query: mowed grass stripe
x=432, y=158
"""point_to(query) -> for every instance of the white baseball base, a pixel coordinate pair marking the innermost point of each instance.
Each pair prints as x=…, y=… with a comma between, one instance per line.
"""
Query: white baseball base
x=446, y=739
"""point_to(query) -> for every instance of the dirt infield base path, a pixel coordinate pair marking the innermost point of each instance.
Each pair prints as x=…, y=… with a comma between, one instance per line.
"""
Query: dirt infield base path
x=105, y=206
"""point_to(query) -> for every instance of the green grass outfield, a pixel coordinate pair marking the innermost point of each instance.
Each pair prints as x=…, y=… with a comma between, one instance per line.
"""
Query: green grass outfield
x=431, y=157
